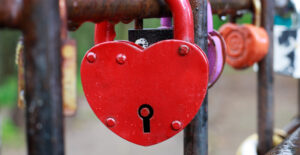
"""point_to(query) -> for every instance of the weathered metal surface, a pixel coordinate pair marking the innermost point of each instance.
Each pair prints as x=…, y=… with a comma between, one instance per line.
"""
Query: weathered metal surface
x=298, y=105
x=79, y=11
x=265, y=83
x=99, y=10
x=21, y=70
x=139, y=24
x=290, y=146
x=11, y=13
x=69, y=69
x=43, y=89
x=292, y=126
x=196, y=133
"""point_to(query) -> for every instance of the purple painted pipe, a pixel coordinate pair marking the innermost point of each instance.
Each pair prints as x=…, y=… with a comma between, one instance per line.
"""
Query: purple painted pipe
x=166, y=22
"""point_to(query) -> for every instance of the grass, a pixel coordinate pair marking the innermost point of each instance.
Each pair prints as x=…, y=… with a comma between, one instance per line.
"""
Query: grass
x=9, y=92
x=11, y=134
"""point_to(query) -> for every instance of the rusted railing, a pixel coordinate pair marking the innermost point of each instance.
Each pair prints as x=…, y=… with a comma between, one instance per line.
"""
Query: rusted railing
x=290, y=146
x=44, y=29
x=13, y=12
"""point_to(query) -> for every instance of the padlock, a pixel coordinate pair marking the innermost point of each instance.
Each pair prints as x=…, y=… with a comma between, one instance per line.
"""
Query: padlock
x=216, y=44
x=147, y=95
x=246, y=44
x=216, y=50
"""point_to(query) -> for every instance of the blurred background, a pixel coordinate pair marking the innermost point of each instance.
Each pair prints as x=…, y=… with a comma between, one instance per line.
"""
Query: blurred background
x=232, y=103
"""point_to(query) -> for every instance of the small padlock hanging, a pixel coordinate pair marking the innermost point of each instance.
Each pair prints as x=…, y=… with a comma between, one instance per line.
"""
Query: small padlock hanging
x=216, y=50
x=246, y=44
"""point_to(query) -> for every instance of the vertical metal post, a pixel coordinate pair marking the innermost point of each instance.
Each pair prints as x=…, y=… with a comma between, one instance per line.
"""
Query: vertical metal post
x=196, y=133
x=44, y=119
x=298, y=114
x=265, y=84
x=138, y=24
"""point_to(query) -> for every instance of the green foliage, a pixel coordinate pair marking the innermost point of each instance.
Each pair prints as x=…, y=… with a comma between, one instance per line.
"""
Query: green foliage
x=84, y=37
x=11, y=133
x=246, y=18
x=8, y=40
x=9, y=92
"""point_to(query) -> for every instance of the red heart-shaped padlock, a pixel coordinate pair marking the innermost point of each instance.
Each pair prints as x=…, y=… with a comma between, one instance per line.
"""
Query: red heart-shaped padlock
x=116, y=76
x=146, y=95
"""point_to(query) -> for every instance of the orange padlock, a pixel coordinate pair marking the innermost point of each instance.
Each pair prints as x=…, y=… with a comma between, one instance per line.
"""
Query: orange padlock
x=246, y=44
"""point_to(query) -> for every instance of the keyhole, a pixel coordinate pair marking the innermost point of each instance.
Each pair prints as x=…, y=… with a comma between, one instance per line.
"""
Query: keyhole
x=146, y=112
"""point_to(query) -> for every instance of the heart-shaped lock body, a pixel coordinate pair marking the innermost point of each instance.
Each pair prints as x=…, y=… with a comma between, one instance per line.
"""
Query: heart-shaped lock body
x=246, y=44
x=216, y=47
x=147, y=95
x=216, y=50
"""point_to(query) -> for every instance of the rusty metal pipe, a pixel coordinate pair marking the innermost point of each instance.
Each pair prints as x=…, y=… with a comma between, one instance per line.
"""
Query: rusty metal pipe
x=265, y=84
x=291, y=145
x=196, y=133
x=80, y=11
x=42, y=36
x=10, y=13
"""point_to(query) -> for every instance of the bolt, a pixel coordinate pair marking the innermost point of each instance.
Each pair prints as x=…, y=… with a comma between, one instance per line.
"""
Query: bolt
x=145, y=112
x=176, y=125
x=121, y=58
x=184, y=50
x=91, y=57
x=110, y=122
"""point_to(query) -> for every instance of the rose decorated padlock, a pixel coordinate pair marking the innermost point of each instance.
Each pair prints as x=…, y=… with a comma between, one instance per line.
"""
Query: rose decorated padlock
x=246, y=44
x=147, y=95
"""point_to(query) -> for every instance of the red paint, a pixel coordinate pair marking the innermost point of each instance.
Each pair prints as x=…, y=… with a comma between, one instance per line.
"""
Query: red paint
x=176, y=125
x=170, y=76
x=104, y=31
x=110, y=122
x=173, y=85
x=246, y=44
x=91, y=57
x=145, y=112
x=183, y=50
x=121, y=58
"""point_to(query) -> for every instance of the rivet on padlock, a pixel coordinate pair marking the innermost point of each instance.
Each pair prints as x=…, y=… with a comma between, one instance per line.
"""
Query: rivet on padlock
x=176, y=125
x=147, y=95
x=121, y=58
x=91, y=57
x=246, y=44
x=183, y=50
x=110, y=122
